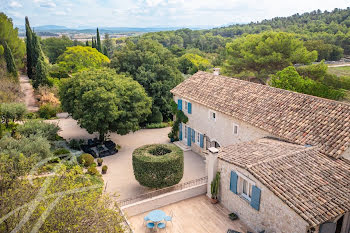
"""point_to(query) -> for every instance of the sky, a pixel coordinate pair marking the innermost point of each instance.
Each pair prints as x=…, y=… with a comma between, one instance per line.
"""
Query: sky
x=156, y=13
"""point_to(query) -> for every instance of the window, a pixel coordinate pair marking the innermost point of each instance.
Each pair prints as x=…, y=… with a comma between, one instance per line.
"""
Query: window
x=185, y=131
x=198, y=138
x=235, y=129
x=212, y=115
x=186, y=105
x=245, y=187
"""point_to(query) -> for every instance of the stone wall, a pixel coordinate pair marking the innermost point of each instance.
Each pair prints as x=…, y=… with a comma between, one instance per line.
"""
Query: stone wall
x=274, y=215
x=222, y=129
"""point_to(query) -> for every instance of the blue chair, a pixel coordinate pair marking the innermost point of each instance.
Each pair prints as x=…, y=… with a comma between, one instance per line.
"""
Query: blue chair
x=161, y=225
x=146, y=219
x=150, y=225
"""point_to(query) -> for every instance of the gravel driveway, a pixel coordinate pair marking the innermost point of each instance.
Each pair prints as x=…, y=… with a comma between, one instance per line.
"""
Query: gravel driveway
x=120, y=178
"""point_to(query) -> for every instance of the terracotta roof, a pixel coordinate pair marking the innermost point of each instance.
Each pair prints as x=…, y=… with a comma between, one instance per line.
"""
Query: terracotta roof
x=315, y=186
x=296, y=117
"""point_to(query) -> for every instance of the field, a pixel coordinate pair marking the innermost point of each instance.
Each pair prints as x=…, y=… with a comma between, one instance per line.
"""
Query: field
x=340, y=71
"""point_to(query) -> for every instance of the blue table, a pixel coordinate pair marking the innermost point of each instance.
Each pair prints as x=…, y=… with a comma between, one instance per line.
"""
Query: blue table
x=156, y=215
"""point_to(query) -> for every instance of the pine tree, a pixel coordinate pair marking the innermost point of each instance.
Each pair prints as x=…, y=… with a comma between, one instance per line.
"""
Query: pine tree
x=29, y=46
x=99, y=46
x=105, y=52
x=10, y=62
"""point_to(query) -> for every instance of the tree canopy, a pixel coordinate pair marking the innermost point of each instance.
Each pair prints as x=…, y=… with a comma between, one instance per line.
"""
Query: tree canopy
x=102, y=101
x=290, y=79
x=54, y=47
x=154, y=67
x=266, y=53
x=77, y=58
x=190, y=63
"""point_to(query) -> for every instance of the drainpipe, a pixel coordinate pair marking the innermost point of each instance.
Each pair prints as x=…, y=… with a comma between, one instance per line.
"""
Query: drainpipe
x=212, y=167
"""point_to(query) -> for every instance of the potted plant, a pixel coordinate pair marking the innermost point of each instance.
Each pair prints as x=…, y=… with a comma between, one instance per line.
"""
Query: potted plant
x=233, y=216
x=215, y=188
x=99, y=162
x=104, y=169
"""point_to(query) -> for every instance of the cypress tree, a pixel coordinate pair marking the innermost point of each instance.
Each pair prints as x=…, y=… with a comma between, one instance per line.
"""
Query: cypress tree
x=93, y=43
x=10, y=62
x=86, y=43
x=105, y=52
x=41, y=73
x=29, y=47
x=99, y=46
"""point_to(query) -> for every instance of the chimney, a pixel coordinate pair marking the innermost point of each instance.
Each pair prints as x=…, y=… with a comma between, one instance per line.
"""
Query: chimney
x=212, y=167
x=216, y=71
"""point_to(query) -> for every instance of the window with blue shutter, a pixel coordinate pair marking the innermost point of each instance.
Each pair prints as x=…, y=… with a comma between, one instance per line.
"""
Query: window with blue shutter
x=201, y=142
x=233, y=182
x=180, y=131
x=255, y=200
x=179, y=104
x=189, y=108
x=193, y=135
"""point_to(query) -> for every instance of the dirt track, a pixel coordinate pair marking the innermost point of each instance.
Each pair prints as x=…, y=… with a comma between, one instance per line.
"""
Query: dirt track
x=28, y=92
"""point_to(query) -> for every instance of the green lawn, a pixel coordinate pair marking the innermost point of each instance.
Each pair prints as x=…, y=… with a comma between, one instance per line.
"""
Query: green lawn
x=340, y=71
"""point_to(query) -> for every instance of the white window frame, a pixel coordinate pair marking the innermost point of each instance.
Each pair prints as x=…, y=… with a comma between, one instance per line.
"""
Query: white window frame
x=233, y=129
x=198, y=138
x=242, y=179
x=211, y=112
x=186, y=105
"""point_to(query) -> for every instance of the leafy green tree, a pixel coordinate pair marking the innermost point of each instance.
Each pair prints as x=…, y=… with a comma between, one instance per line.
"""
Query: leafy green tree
x=37, y=127
x=154, y=67
x=41, y=74
x=102, y=101
x=55, y=47
x=325, y=51
x=9, y=34
x=99, y=45
x=77, y=58
x=10, y=62
x=12, y=112
x=190, y=63
x=266, y=53
x=105, y=52
x=289, y=79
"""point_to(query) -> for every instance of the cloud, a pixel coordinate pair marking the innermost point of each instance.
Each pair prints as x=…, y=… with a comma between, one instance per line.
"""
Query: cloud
x=48, y=5
x=15, y=4
x=60, y=13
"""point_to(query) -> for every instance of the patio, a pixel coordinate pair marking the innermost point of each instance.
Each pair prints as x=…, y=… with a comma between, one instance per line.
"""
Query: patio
x=194, y=215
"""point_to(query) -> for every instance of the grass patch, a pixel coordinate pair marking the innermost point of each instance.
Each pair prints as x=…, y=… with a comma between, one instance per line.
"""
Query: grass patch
x=340, y=71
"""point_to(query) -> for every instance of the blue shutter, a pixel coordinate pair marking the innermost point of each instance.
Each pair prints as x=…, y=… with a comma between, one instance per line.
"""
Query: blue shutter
x=189, y=108
x=180, y=131
x=189, y=136
x=193, y=135
x=201, y=142
x=179, y=104
x=233, y=182
x=255, y=200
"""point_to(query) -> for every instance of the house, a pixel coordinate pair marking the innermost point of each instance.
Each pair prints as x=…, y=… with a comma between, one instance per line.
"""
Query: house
x=283, y=156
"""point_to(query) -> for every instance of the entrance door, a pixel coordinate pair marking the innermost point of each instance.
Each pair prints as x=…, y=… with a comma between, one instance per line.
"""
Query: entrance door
x=189, y=130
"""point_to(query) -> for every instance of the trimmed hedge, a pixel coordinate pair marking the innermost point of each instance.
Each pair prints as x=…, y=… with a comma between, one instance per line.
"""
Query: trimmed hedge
x=86, y=159
x=155, y=168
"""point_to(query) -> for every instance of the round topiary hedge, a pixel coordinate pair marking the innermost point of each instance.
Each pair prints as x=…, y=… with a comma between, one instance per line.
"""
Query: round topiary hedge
x=158, y=165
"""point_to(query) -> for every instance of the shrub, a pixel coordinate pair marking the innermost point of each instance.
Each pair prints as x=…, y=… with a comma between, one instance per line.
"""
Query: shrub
x=86, y=159
x=92, y=171
x=158, y=165
x=75, y=144
x=157, y=125
x=48, y=111
x=61, y=151
x=37, y=127
x=99, y=161
x=156, y=116
x=104, y=169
